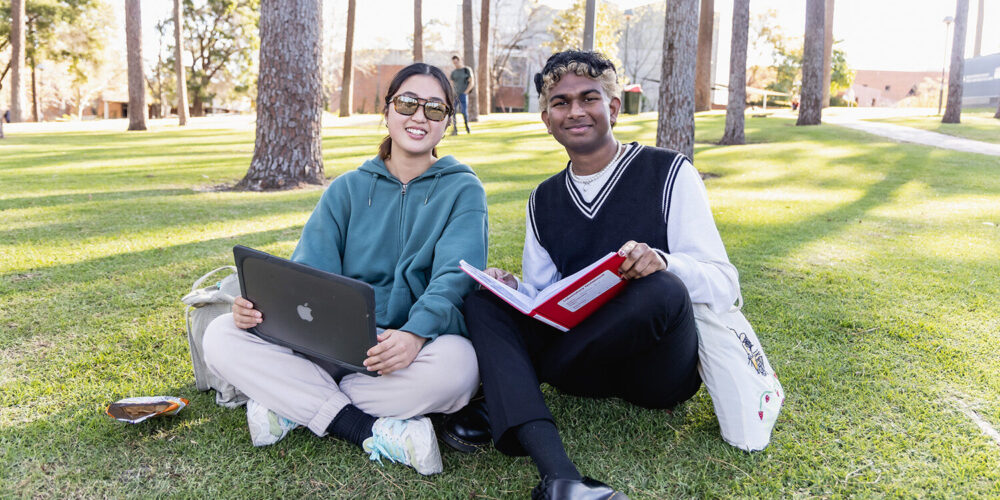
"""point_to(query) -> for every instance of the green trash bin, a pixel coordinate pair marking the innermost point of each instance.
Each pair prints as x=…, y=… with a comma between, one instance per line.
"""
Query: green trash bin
x=633, y=96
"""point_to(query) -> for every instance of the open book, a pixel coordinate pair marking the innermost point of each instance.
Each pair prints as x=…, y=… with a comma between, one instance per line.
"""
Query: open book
x=567, y=302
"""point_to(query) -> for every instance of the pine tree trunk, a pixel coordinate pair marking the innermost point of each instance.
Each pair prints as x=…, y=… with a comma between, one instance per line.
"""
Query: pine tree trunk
x=978, y=47
x=418, y=32
x=703, y=66
x=470, y=57
x=589, y=24
x=136, y=80
x=811, y=100
x=736, y=107
x=18, y=48
x=346, y=85
x=34, y=91
x=182, y=99
x=197, y=105
x=483, y=70
x=675, y=123
x=827, y=51
x=288, y=148
x=956, y=72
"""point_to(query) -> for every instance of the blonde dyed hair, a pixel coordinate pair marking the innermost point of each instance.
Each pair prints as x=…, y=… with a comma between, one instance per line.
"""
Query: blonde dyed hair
x=608, y=79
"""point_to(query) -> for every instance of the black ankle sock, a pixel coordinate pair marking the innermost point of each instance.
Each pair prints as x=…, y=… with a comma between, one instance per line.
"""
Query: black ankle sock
x=540, y=439
x=352, y=425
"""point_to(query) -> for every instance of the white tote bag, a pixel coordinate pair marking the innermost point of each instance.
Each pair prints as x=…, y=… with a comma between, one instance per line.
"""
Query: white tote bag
x=745, y=391
x=204, y=305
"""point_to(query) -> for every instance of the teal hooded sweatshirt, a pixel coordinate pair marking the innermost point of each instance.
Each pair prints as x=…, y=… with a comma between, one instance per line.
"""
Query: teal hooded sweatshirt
x=404, y=240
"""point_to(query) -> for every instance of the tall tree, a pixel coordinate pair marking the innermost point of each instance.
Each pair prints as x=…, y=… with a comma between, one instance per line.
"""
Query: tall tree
x=221, y=36
x=736, y=106
x=811, y=98
x=288, y=150
x=469, y=58
x=827, y=51
x=136, y=86
x=956, y=71
x=568, y=26
x=418, y=31
x=483, y=69
x=589, y=24
x=978, y=47
x=519, y=38
x=703, y=66
x=68, y=36
x=347, y=86
x=675, y=121
x=182, y=98
x=17, y=56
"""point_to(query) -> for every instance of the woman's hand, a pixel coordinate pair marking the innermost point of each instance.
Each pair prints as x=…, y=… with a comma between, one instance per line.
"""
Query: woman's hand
x=502, y=276
x=640, y=260
x=244, y=315
x=396, y=349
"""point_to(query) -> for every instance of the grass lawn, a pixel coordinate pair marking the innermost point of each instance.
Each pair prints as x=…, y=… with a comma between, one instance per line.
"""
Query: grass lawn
x=869, y=270
x=977, y=124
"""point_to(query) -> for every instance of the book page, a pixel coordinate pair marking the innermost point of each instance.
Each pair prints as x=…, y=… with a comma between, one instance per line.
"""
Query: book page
x=590, y=291
x=558, y=286
x=513, y=297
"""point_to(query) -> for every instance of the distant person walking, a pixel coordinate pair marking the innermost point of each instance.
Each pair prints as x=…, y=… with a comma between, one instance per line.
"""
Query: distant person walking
x=463, y=81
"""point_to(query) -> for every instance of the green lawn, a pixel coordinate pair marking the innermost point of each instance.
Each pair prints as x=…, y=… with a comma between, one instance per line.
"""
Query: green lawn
x=977, y=124
x=869, y=270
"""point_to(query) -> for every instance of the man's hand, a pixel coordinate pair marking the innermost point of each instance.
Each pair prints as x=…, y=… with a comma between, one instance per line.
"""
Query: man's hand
x=502, y=276
x=396, y=349
x=640, y=260
x=244, y=315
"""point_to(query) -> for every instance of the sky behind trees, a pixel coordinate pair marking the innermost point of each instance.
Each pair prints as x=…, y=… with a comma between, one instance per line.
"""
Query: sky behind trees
x=902, y=35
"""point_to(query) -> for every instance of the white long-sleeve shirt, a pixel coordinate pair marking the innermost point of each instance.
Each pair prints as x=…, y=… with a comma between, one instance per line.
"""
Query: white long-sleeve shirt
x=697, y=255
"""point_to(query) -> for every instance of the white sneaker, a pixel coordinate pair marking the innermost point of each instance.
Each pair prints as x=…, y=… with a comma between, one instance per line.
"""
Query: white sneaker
x=266, y=427
x=410, y=442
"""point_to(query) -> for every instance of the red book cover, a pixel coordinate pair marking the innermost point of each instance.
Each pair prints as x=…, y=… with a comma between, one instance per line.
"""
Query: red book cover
x=566, y=303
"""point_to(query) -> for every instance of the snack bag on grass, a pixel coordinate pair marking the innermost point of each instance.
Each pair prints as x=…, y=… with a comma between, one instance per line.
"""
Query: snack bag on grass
x=135, y=410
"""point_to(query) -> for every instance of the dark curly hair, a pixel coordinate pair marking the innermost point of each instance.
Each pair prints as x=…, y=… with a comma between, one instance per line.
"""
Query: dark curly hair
x=583, y=63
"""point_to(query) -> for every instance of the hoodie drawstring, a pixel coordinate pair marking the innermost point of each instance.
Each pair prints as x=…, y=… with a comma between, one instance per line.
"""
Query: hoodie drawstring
x=371, y=190
x=437, y=177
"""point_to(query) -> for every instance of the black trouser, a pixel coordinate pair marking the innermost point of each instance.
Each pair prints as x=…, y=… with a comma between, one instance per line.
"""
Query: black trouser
x=642, y=346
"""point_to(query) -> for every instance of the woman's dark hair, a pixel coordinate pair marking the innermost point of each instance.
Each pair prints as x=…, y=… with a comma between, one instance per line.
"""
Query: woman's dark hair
x=385, y=148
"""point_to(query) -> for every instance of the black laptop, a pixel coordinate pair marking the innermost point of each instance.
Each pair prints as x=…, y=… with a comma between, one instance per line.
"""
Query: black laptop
x=328, y=318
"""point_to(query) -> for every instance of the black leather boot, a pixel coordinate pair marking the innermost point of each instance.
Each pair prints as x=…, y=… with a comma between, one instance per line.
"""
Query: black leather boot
x=468, y=429
x=575, y=489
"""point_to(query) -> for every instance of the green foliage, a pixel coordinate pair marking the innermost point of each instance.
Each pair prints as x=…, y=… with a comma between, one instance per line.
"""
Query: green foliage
x=61, y=30
x=768, y=38
x=567, y=29
x=867, y=266
x=222, y=39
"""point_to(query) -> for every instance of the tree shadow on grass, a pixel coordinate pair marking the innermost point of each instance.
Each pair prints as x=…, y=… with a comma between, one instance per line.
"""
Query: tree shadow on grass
x=86, y=197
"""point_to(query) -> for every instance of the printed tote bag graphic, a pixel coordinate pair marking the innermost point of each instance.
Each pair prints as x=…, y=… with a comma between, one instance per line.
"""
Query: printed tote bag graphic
x=745, y=391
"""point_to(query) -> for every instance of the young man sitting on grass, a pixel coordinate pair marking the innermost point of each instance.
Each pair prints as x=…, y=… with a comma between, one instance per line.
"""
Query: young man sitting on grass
x=651, y=206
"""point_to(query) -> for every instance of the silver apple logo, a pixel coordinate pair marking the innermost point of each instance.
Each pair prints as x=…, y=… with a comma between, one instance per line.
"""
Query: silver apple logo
x=305, y=312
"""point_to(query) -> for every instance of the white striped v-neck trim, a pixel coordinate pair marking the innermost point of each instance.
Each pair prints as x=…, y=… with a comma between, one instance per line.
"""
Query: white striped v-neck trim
x=590, y=209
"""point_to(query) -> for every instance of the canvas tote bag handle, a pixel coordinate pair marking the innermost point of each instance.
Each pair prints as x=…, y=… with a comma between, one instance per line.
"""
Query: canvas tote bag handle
x=197, y=284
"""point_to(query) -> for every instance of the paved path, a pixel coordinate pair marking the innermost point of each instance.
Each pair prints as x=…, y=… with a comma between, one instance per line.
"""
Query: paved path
x=914, y=135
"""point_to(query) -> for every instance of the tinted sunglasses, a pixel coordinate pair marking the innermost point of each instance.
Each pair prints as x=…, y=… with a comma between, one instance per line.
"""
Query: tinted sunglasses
x=433, y=110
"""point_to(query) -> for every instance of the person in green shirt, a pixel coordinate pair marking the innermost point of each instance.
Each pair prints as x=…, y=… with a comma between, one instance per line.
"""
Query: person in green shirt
x=463, y=81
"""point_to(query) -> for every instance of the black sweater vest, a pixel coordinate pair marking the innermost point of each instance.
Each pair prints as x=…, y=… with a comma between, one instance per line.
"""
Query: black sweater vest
x=634, y=204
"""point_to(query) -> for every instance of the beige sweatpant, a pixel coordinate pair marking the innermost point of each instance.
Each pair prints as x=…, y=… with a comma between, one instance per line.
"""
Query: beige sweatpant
x=442, y=378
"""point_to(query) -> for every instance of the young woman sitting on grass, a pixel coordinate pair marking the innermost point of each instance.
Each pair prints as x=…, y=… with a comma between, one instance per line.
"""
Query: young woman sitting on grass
x=400, y=222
